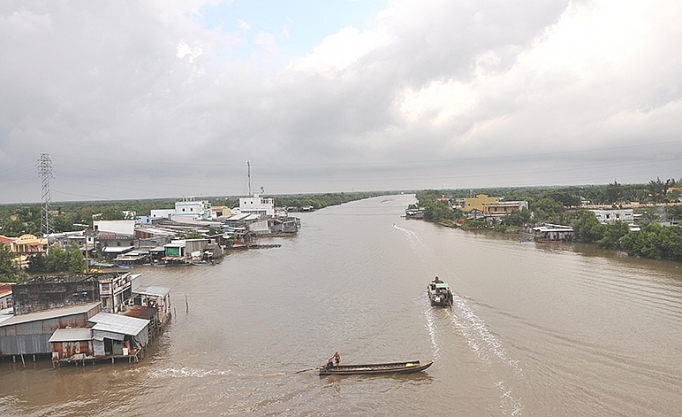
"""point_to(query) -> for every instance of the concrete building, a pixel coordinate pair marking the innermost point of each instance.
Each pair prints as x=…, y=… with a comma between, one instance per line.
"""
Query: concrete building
x=610, y=216
x=257, y=205
x=476, y=203
x=502, y=208
x=195, y=209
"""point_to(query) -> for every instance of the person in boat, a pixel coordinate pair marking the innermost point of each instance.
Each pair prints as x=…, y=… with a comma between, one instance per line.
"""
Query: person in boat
x=437, y=280
x=330, y=363
x=337, y=358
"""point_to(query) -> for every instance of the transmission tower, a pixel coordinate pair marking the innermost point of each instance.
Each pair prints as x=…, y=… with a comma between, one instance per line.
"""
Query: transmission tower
x=45, y=171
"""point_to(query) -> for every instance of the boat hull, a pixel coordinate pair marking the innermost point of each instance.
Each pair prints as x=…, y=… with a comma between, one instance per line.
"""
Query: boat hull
x=376, y=368
x=439, y=294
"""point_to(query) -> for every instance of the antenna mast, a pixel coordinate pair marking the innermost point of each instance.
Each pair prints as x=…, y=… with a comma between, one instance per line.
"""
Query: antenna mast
x=45, y=171
x=248, y=173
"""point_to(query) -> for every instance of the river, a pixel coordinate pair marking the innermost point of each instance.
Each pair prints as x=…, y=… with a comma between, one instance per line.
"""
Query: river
x=536, y=329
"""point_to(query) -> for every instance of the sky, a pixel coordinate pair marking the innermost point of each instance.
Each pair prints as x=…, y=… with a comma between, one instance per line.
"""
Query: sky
x=171, y=98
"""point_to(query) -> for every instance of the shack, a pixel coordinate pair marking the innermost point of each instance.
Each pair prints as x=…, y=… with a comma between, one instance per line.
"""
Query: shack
x=116, y=336
x=71, y=345
x=29, y=334
x=155, y=297
x=553, y=233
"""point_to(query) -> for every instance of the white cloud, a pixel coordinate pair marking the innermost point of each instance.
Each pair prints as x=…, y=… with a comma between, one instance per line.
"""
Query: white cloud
x=127, y=95
x=191, y=52
x=339, y=51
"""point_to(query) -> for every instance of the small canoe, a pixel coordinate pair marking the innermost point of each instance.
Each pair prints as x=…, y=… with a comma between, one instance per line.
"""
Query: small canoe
x=376, y=368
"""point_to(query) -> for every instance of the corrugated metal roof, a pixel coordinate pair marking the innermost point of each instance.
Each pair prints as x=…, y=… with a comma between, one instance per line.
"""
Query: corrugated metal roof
x=152, y=290
x=6, y=314
x=175, y=245
x=49, y=314
x=240, y=216
x=117, y=323
x=71, y=335
x=142, y=312
x=117, y=249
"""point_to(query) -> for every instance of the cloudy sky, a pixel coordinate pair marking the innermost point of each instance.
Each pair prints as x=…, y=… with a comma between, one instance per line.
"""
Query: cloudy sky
x=170, y=98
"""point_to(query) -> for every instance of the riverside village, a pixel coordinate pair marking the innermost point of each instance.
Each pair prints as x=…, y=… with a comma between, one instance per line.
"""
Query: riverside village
x=109, y=313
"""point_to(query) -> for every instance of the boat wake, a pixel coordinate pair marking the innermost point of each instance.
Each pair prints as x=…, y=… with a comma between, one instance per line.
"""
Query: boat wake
x=478, y=336
x=186, y=373
x=414, y=239
x=488, y=348
x=431, y=327
x=203, y=373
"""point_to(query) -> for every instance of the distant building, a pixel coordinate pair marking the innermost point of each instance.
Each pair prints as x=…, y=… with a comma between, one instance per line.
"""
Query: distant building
x=257, y=205
x=476, y=203
x=553, y=233
x=503, y=208
x=121, y=227
x=162, y=213
x=195, y=209
x=24, y=247
x=610, y=216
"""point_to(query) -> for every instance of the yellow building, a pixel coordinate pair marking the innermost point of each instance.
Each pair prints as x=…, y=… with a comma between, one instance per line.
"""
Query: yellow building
x=25, y=246
x=476, y=203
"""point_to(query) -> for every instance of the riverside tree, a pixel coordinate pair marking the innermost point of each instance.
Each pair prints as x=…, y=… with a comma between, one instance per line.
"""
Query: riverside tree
x=8, y=267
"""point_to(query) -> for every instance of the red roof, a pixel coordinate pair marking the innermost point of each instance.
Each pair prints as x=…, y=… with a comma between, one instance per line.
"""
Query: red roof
x=6, y=240
x=5, y=289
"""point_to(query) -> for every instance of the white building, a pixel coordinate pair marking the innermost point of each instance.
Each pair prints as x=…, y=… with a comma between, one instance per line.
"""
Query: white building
x=121, y=227
x=162, y=213
x=257, y=205
x=610, y=216
x=192, y=208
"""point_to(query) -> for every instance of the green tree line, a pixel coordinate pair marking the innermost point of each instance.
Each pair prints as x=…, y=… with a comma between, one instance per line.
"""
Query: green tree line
x=562, y=205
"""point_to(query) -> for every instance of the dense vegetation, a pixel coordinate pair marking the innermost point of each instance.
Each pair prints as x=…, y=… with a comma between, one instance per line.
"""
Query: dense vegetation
x=562, y=205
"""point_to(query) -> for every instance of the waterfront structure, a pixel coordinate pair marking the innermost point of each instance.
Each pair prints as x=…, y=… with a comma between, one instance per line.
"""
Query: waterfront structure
x=553, y=233
x=71, y=318
x=115, y=291
x=417, y=213
x=29, y=334
x=71, y=344
x=118, y=335
x=257, y=205
x=156, y=298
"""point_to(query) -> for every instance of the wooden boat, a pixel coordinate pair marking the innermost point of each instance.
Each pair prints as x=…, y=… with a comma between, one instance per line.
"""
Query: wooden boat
x=439, y=293
x=376, y=368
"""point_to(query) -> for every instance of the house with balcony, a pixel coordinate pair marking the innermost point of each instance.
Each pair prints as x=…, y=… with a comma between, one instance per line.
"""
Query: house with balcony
x=502, y=208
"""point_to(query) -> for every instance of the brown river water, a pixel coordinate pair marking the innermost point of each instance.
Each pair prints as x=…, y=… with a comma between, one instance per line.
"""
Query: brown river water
x=535, y=330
